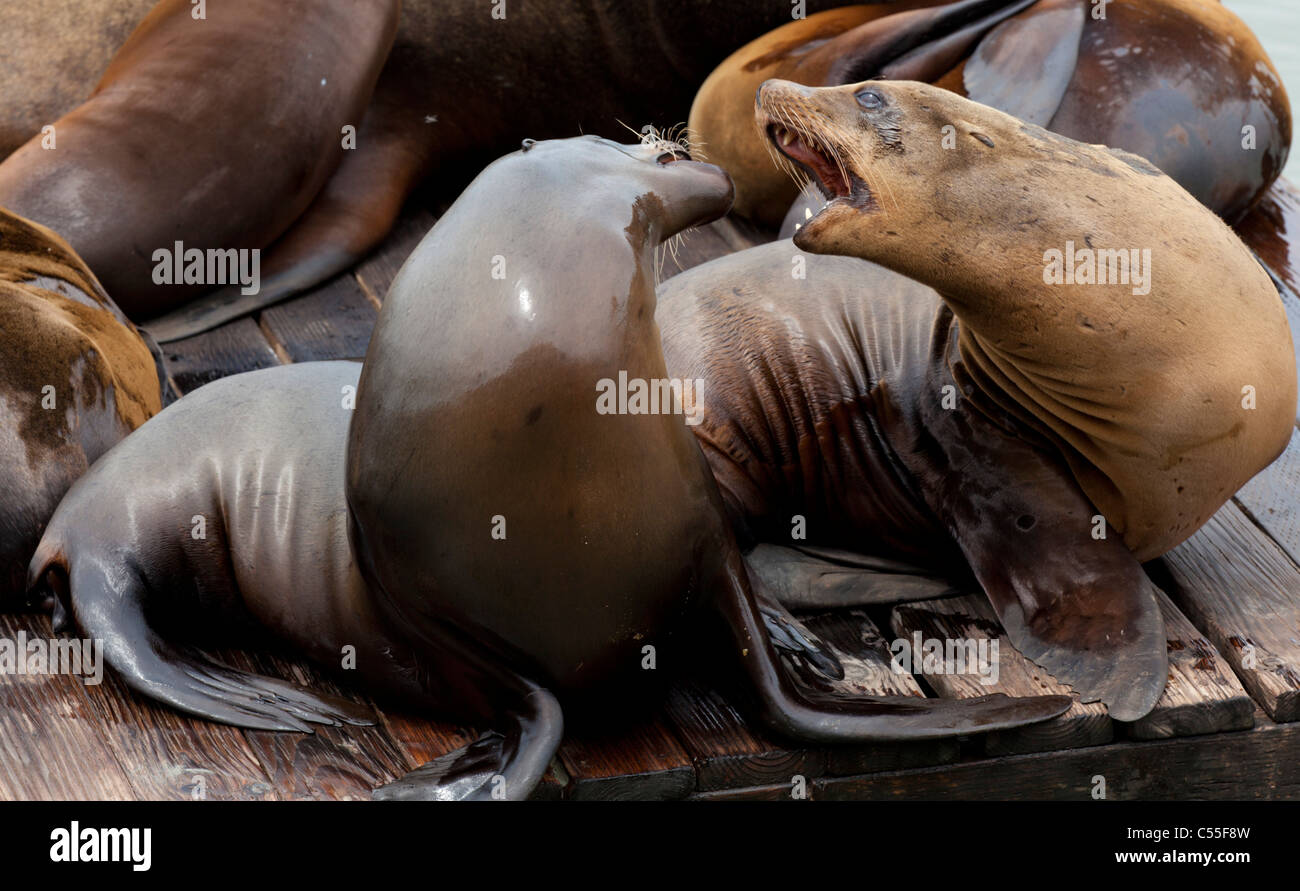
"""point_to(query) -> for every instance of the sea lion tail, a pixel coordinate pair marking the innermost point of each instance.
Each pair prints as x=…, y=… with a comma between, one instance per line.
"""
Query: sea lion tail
x=106, y=599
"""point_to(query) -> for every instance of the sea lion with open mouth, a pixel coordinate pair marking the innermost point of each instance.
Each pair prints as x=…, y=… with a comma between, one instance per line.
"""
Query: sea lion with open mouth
x=974, y=406
x=483, y=536
x=1183, y=83
x=77, y=377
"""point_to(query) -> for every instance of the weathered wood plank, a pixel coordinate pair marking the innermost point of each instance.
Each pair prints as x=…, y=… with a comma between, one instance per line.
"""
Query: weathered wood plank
x=971, y=618
x=230, y=349
x=335, y=763
x=1238, y=587
x=51, y=740
x=1272, y=230
x=643, y=762
x=1272, y=498
x=1202, y=694
x=333, y=321
x=864, y=654
x=1263, y=763
x=377, y=272
x=727, y=753
x=754, y=793
x=171, y=756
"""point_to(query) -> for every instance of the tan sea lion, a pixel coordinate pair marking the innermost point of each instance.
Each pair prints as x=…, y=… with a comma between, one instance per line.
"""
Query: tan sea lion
x=77, y=377
x=957, y=408
x=1182, y=83
x=603, y=552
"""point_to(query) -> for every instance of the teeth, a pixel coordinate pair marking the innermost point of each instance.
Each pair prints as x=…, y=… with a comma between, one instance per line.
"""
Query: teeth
x=786, y=136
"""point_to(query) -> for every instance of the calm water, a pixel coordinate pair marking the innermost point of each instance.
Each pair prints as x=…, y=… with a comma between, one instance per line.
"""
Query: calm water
x=1277, y=25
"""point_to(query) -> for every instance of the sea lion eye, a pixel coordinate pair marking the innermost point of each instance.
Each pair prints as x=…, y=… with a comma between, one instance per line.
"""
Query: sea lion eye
x=870, y=99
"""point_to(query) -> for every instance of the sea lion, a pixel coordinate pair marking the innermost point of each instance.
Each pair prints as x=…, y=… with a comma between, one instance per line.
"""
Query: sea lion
x=203, y=135
x=78, y=377
x=956, y=408
x=1182, y=83
x=465, y=81
x=262, y=462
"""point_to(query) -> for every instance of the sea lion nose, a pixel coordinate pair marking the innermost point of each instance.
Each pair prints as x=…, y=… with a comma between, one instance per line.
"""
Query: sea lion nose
x=777, y=86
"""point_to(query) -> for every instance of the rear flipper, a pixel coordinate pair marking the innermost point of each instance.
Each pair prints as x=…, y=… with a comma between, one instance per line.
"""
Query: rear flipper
x=825, y=578
x=839, y=719
x=495, y=766
x=107, y=603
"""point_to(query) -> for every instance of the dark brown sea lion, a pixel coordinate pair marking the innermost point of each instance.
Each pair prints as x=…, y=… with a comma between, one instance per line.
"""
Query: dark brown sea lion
x=1047, y=436
x=465, y=81
x=602, y=553
x=77, y=377
x=244, y=160
x=1175, y=81
x=214, y=132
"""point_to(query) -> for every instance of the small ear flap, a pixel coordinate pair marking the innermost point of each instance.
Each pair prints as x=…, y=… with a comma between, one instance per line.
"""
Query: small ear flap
x=1025, y=65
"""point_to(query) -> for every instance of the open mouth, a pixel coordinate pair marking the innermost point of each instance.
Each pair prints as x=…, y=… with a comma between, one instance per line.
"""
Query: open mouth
x=669, y=157
x=813, y=157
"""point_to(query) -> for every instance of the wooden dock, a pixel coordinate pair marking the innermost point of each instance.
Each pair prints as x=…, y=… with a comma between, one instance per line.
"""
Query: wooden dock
x=1228, y=725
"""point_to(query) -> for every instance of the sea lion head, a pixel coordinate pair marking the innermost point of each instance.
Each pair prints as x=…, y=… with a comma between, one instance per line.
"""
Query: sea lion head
x=876, y=149
x=689, y=193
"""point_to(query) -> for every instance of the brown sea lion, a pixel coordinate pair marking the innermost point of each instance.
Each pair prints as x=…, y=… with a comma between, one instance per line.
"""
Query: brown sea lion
x=231, y=503
x=77, y=377
x=1177, y=82
x=953, y=406
x=465, y=81
x=214, y=132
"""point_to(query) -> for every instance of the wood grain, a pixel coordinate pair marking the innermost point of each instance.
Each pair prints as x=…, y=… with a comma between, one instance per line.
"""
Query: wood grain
x=51, y=744
x=332, y=763
x=1263, y=763
x=1243, y=592
x=171, y=756
x=1272, y=498
x=1202, y=694
x=643, y=762
x=230, y=349
x=864, y=654
x=971, y=618
x=754, y=793
x=1272, y=231
x=726, y=753
x=333, y=321
x=377, y=272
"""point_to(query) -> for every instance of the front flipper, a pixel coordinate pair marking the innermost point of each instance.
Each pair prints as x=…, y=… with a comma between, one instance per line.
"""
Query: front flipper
x=1026, y=64
x=1076, y=603
x=495, y=766
x=839, y=719
x=824, y=578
